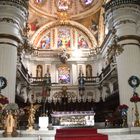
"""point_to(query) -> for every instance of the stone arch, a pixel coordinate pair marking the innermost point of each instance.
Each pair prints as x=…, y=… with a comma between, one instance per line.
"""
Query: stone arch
x=41, y=31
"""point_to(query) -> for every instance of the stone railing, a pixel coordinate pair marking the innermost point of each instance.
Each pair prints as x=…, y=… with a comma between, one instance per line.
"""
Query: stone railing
x=38, y=80
x=107, y=71
x=23, y=71
x=88, y=80
x=92, y=80
x=100, y=78
x=114, y=3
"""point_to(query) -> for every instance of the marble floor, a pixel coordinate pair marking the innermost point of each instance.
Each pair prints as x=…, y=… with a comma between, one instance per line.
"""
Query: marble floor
x=132, y=133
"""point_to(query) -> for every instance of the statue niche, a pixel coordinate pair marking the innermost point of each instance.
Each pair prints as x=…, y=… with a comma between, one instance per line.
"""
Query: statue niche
x=88, y=71
x=39, y=71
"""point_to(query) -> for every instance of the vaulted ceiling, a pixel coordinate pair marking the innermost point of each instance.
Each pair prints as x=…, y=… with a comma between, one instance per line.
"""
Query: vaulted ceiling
x=81, y=15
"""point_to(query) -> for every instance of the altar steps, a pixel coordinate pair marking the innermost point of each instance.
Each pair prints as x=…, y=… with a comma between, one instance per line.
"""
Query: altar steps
x=79, y=134
x=132, y=133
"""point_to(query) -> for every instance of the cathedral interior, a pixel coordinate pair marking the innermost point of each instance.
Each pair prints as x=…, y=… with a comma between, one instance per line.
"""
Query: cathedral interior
x=70, y=55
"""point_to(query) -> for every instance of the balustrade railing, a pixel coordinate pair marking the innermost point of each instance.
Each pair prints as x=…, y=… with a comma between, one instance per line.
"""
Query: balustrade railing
x=24, y=71
x=88, y=80
x=38, y=79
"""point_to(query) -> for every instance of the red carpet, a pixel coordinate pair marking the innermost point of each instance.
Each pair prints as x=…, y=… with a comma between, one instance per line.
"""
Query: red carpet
x=79, y=134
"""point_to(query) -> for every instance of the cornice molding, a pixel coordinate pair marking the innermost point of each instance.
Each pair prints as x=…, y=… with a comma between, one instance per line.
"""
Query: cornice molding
x=8, y=43
x=20, y=4
x=123, y=10
x=124, y=21
x=115, y=3
x=9, y=20
x=12, y=37
x=23, y=3
x=132, y=37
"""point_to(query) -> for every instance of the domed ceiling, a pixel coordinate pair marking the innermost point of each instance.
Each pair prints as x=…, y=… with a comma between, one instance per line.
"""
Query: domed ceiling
x=57, y=24
x=77, y=9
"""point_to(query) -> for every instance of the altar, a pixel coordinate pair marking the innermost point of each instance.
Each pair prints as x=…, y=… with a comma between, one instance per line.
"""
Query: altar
x=73, y=118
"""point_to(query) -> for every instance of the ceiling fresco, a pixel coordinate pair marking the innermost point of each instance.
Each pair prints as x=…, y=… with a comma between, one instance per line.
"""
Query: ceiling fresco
x=64, y=24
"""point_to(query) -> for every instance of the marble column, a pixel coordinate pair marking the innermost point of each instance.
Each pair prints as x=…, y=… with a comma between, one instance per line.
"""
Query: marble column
x=124, y=16
x=13, y=17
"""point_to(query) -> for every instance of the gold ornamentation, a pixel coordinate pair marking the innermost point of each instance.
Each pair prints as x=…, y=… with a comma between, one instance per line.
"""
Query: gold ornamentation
x=63, y=17
x=31, y=115
x=114, y=49
x=137, y=122
x=26, y=45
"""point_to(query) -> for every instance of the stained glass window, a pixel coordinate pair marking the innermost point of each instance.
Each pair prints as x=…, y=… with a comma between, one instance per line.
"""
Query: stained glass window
x=64, y=74
x=86, y=2
x=45, y=42
x=39, y=1
x=63, y=37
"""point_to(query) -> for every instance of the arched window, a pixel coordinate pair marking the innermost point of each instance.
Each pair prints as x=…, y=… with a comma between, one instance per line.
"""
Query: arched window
x=39, y=71
x=88, y=70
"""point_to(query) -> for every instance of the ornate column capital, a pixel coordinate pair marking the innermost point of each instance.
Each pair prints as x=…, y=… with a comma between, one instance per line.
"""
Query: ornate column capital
x=13, y=18
x=21, y=3
x=113, y=3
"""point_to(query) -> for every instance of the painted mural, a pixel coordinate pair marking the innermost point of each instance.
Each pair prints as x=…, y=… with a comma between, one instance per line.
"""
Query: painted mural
x=63, y=37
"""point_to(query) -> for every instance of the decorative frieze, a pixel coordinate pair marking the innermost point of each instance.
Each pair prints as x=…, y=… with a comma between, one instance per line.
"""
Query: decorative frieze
x=125, y=21
x=21, y=3
x=114, y=3
x=9, y=20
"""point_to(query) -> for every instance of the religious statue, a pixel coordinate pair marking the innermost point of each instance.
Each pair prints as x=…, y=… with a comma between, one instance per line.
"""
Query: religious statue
x=64, y=56
x=10, y=124
x=39, y=71
x=31, y=115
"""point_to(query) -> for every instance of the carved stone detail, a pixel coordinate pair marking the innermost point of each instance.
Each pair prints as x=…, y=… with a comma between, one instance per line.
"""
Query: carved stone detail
x=125, y=22
x=20, y=4
x=23, y=3
x=9, y=20
x=115, y=3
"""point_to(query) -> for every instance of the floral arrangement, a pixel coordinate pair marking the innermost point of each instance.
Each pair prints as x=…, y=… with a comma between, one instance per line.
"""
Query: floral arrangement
x=11, y=106
x=3, y=101
x=123, y=107
x=135, y=98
